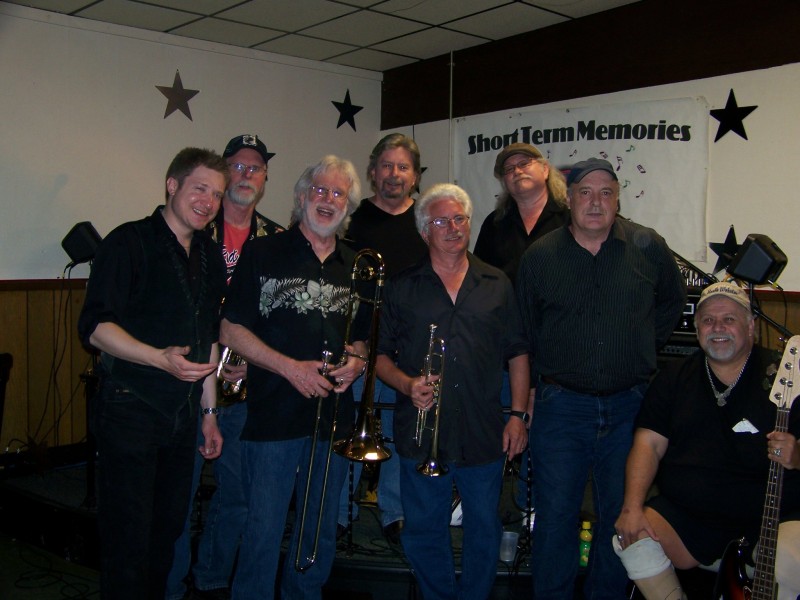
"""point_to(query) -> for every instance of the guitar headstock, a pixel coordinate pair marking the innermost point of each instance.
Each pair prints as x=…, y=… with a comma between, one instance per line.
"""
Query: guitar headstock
x=782, y=393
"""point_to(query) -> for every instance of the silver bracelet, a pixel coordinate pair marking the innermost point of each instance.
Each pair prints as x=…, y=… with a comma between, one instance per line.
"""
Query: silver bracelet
x=210, y=411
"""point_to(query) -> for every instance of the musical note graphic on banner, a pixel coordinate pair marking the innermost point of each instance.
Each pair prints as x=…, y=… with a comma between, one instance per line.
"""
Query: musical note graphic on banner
x=631, y=148
x=574, y=152
x=603, y=154
x=626, y=184
x=641, y=169
x=640, y=194
x=619, y=162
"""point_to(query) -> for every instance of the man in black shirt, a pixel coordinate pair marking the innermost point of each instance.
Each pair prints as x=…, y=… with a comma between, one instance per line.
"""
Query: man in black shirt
x=598, y=297
x=385, y=223
x=288, y=303
x=707, y=435
x=473, y=306
x=152, y=309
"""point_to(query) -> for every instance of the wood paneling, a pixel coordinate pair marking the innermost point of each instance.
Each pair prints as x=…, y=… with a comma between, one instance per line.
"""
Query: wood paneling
x=44, y=397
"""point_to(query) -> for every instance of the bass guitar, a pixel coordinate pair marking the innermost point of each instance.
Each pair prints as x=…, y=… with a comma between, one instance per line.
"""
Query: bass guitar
x=733, y=582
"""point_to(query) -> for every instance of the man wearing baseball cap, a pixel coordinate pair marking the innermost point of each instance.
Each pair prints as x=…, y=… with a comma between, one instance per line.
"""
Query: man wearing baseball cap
x=237, y=223
x=532, y=203
x=598, y=296
x=706, y=435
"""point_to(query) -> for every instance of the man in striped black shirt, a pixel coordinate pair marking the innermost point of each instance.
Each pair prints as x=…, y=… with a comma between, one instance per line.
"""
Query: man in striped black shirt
x=598, y=297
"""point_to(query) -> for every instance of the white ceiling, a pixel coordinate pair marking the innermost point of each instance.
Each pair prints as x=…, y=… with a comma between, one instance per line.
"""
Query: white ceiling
x=369, y=34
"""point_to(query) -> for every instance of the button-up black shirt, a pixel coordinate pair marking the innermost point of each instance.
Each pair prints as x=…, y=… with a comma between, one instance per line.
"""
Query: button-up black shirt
x=481, y=331
x=594, y=322
x=296, y=305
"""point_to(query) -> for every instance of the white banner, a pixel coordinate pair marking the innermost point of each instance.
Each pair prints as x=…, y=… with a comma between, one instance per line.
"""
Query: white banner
x=658, y=149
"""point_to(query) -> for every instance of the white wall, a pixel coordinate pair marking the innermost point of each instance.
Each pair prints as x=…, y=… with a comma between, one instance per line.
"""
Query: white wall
x=83, y=135
x=753, y=184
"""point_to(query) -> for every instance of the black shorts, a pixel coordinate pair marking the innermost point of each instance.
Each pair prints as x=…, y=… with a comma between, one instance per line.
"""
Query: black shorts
x=704, y=543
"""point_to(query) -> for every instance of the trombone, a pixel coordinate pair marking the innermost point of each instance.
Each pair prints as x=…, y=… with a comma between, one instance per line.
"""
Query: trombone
x=366, y=443
x=436, y=350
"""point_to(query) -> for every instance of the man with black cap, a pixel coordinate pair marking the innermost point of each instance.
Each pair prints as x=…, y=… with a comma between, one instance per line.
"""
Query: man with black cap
x=235, y=225
x=598, y=297
x=532, y=204
x=706, y=434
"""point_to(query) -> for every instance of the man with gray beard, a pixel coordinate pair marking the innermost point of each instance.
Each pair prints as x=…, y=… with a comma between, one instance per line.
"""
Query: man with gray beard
x=236, y=224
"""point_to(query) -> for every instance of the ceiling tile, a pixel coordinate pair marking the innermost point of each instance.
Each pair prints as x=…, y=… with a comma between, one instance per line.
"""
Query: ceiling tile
x=304, y=47
x=202, y=7
x=227, y=32
x=436, y=12
x=363, y=28
x=60, y=6
x=134, y=14
x=286, y=15
x=506, y=21
x=371, y=59
x=430, y=43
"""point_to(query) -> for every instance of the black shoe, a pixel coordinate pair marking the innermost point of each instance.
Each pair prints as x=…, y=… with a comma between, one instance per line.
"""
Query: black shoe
x=215, y=594
x=392, y=531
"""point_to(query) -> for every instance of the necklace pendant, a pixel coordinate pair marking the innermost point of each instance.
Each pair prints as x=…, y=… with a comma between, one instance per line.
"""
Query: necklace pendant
x=722, y=400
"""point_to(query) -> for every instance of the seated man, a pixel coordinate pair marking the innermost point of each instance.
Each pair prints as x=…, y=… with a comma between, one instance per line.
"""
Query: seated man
x=706, y=434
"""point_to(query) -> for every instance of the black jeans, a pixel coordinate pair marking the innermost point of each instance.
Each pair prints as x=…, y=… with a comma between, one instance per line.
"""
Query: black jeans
x=144, y=480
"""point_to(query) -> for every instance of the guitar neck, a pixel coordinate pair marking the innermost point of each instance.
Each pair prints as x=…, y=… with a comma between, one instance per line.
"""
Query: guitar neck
x=764, y=575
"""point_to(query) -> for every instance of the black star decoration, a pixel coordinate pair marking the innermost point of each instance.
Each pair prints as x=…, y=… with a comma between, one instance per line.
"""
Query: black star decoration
x=725, y=251
x=177, y=97
x=347, y=111
x=731, y=118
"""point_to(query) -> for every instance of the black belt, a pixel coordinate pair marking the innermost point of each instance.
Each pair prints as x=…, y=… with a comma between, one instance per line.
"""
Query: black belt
x=584, y=391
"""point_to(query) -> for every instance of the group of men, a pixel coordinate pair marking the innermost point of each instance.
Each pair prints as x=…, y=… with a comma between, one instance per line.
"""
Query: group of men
x=562, y=307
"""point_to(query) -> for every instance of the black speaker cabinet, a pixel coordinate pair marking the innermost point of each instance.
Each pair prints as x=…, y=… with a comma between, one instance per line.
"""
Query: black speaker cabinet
x=759, y=260
x=81, y=242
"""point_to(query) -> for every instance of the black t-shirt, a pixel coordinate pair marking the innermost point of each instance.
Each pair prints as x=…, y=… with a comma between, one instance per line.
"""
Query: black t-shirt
x=716, y=465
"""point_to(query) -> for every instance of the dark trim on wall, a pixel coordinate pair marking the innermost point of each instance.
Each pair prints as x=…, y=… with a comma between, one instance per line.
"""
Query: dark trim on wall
x=644, y=44
x=25, y=285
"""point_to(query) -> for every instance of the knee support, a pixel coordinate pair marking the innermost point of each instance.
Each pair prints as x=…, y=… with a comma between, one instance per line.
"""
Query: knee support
x=642, y=559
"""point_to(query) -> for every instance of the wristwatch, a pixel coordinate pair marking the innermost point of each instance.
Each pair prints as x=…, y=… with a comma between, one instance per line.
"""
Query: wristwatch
x=521, y=414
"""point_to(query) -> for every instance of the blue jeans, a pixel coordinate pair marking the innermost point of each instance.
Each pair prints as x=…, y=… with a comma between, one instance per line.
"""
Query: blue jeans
x=389, y=481
x=426, y=536
x=227, y=513
x=272, y=472
x=144, y=479
x=571, y=435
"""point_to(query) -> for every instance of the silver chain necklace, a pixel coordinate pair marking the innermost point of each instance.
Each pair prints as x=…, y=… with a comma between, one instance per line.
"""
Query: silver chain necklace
x=722, y=397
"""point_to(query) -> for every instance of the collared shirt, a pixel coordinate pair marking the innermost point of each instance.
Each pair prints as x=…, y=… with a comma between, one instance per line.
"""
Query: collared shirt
x=716, y=465
x=394, y=236
x=143, y=281
x=297, y=305
x=502, y=242
x=480, y=331
x=595, y=322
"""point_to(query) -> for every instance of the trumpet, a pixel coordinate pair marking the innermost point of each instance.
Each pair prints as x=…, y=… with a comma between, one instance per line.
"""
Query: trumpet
x=230, y=391
x=366, y=443
x=436, y=350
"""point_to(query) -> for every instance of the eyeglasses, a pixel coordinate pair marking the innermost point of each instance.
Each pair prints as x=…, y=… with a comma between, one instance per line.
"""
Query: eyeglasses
x=521, y=165
x=442, y=222
x=251, y=169
x=322, y=192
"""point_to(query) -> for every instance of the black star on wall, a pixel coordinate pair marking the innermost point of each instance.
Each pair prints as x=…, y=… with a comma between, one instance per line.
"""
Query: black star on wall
x=177, y=97
x=731, y=118
x=725, y=251
x=347, y=111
